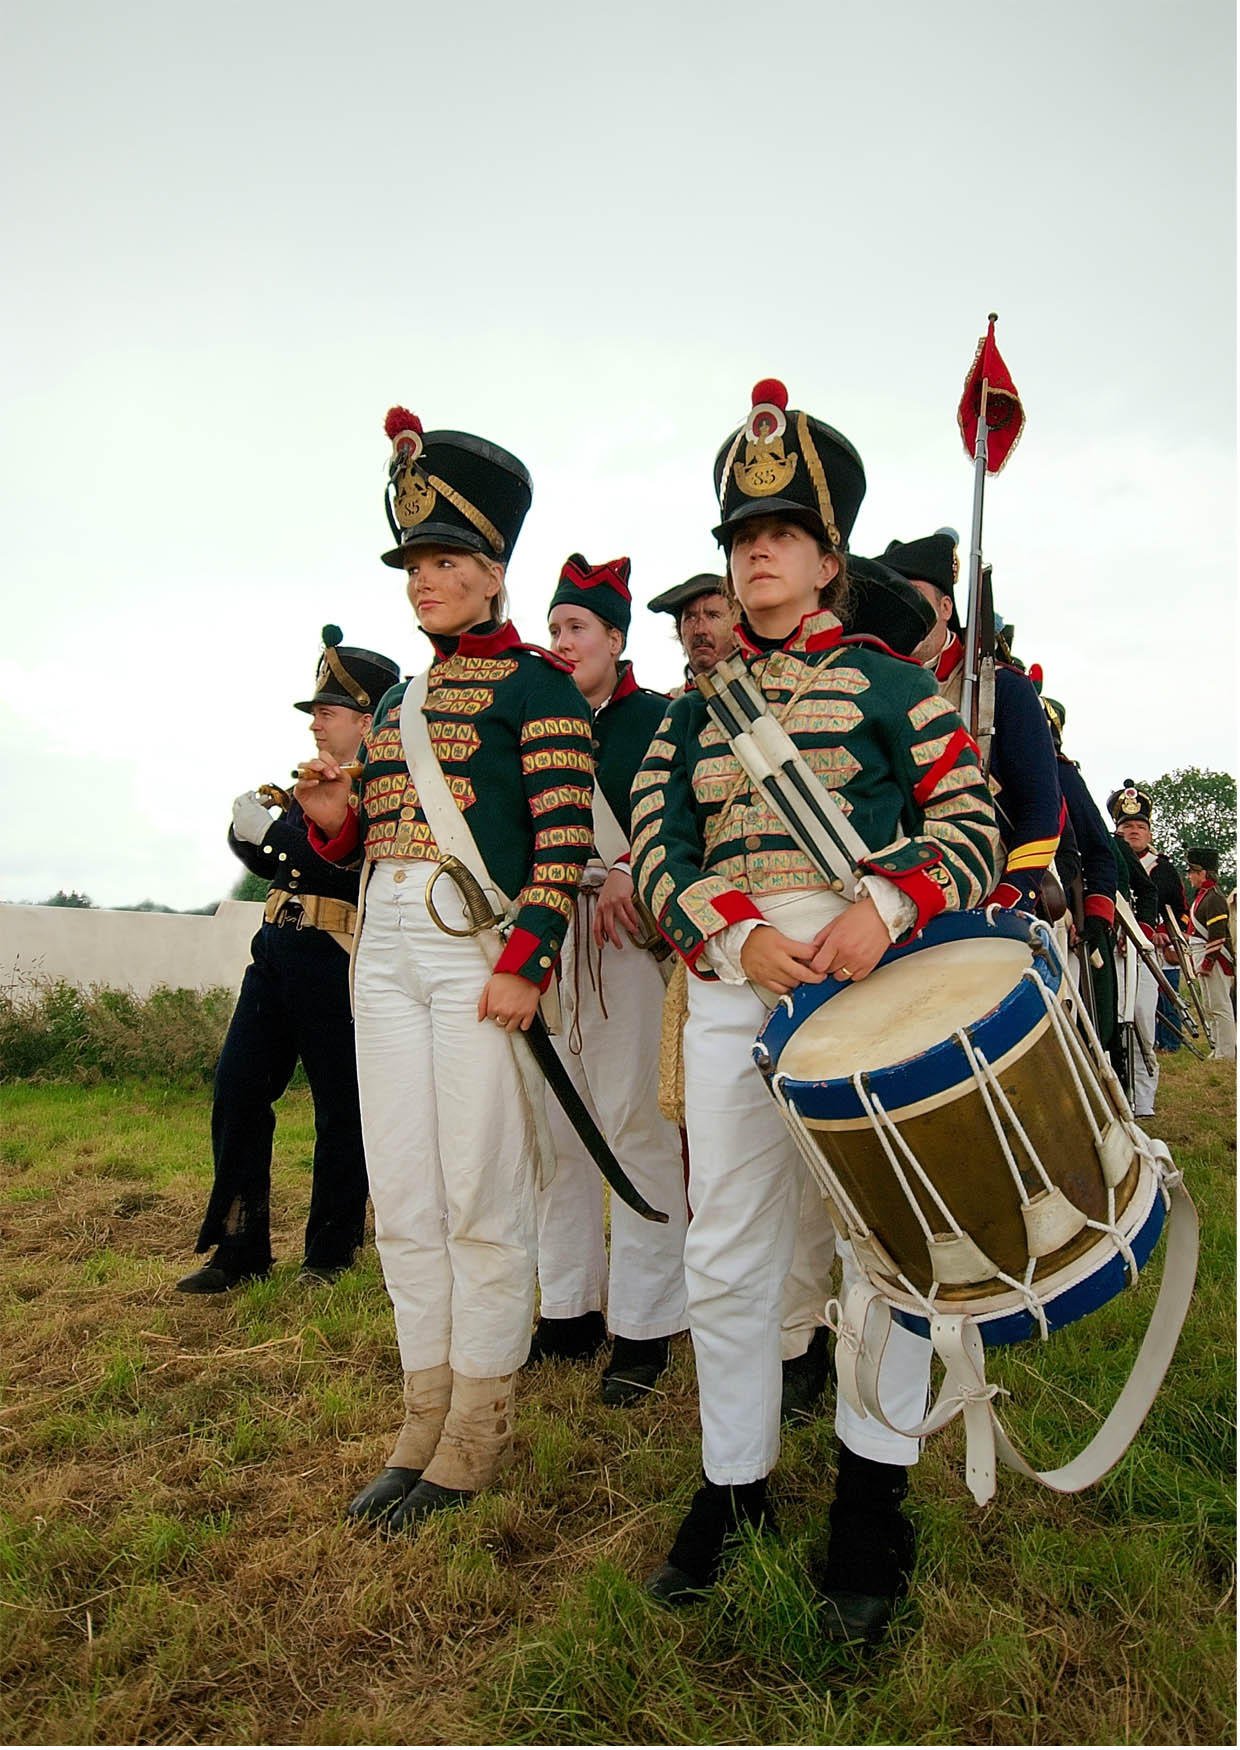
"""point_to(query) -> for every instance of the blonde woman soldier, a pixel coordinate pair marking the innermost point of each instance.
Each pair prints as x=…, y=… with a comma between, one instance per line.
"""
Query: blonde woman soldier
x=487, y=754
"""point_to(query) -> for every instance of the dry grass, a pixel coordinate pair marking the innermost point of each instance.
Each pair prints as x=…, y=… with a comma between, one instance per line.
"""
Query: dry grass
x=173, y=1567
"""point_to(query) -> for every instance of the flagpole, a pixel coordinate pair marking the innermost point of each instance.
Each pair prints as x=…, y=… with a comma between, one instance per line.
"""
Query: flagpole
x=974, y=654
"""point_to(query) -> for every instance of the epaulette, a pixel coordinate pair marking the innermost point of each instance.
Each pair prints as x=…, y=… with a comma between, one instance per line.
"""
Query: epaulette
x=871, y=642
x=548, y=656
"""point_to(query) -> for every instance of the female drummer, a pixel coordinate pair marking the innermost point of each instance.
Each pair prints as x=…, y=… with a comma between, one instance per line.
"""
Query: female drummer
x=501, y=740
x=749, y=912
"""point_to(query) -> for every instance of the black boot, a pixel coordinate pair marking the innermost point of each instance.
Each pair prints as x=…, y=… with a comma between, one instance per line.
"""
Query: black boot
x=805, y=1379
x=635, y=1366
x=421, y=1502
x=383, y=1494
x=694, y=1560
x=225, y=1271
x=578, y=1339
x=871, y=1550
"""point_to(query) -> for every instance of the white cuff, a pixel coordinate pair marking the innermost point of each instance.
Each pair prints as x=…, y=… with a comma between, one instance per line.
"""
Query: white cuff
x=894, y=906
x=722, y=952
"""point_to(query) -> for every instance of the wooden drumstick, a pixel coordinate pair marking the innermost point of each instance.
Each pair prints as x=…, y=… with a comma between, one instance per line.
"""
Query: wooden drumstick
x=351, y=769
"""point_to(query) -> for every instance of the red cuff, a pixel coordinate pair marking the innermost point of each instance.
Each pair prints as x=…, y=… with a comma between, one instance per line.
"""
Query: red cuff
x=1147, y=930
x=1099, y=906
x=929, y=898
x=339, y=849
x=519, y=950
x=734, y=907
x=1007, y=895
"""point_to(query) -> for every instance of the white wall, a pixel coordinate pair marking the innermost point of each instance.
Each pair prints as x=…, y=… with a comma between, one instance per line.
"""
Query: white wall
x=133, y=950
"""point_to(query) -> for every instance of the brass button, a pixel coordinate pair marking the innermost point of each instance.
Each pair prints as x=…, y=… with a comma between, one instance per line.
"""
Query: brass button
x=296, y=874
x=284, y=856
x=399, y=875
x=753, y=842
x=267, y=850
x=544, y=959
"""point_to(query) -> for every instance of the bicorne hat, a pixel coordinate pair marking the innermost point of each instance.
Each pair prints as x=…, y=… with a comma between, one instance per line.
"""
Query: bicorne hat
x=450, y=489
x=604, y=589
x=1130, y=802
x=785, y=463
x=349, y=676
x=674, y=599
x=882, y=604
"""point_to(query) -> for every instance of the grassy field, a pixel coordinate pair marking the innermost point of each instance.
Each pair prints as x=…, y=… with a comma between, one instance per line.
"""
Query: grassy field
x=173, y=1567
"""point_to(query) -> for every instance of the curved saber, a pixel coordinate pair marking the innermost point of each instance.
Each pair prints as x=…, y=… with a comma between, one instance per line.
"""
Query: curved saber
x=482, y=917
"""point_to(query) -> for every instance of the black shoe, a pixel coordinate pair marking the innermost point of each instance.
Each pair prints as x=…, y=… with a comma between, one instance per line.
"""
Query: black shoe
x=382, y=1494
x=694, y=1560
x=633, y=1370
x=578, y=1339
x=870, y=1552
x=221, y=1274
x=321, y=1272
x=805, y=1379
x=421, y=1502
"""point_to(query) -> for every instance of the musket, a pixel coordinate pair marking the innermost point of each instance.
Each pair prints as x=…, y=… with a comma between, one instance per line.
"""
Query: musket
x=1076, y=890
x=1188, y=973
x=482, y=917
x=1149, y=960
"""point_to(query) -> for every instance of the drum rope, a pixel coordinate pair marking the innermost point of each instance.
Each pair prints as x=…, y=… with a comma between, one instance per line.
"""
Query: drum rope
x=988, y=1084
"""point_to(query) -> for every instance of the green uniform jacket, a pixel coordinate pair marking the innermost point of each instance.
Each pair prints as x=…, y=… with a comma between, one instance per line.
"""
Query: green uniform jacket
x=874, y=730
x=512, y=734
x=623, y=730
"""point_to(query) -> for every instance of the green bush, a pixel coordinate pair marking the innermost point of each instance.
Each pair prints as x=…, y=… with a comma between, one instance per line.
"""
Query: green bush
x=51, y=1031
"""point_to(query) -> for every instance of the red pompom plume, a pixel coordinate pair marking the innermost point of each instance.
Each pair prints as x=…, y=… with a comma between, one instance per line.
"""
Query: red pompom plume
x=772, y=390
x=400, y=419
x=1035, y=674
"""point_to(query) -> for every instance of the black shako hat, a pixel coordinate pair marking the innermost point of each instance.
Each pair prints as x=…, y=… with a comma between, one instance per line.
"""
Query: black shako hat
x=1130, y=802
x=785, y=463
x=450, y=489
x=349, y=676
x=673, y=600
x=1203, y=857
x=604, y=589
x=885, y=605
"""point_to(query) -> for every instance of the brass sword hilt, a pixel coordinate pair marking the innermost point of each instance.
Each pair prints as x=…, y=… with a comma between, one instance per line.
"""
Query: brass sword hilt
x=477, y=905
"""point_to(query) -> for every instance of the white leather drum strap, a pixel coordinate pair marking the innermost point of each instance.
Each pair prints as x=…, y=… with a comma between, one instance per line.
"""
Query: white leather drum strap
x=864, y=1322
x=453, y=837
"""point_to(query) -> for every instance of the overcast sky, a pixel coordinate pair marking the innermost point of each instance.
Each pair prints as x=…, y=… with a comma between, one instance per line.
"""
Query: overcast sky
x=237, y=233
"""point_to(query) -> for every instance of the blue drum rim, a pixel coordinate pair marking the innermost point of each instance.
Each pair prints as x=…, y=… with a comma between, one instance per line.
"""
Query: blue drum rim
x=1017, y=1324
x=943, y=1067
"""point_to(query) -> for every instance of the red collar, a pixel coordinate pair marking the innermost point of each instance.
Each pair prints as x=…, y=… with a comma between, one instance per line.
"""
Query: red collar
x=949, y=658
x=625, y=685
x=491, y=642
x=819, y=630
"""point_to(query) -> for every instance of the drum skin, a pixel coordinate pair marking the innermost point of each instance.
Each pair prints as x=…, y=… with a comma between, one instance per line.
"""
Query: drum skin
x=934, y=1098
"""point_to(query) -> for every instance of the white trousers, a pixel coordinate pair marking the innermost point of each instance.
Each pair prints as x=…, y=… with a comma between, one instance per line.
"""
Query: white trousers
x=746, y=1184
x=611, y=1007
x=1145, y=1081
x=1217, y=987
x=807, y=1286
x=449, y=1144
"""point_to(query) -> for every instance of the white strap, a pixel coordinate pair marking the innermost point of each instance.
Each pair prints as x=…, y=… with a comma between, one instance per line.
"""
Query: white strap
x=865, y=1322
x=447, y=823
x=609, y=838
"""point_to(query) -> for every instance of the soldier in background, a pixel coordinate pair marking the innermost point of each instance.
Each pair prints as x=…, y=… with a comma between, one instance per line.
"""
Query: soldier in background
x=1134, y=829
x=1023, y=774
x=1213, y=948
x=1091, y=843
x=294, y=1003
x=1129, y=803
x=705, y=612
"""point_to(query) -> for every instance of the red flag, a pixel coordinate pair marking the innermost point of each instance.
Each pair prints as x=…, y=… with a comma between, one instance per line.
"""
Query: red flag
x=1005, y=417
